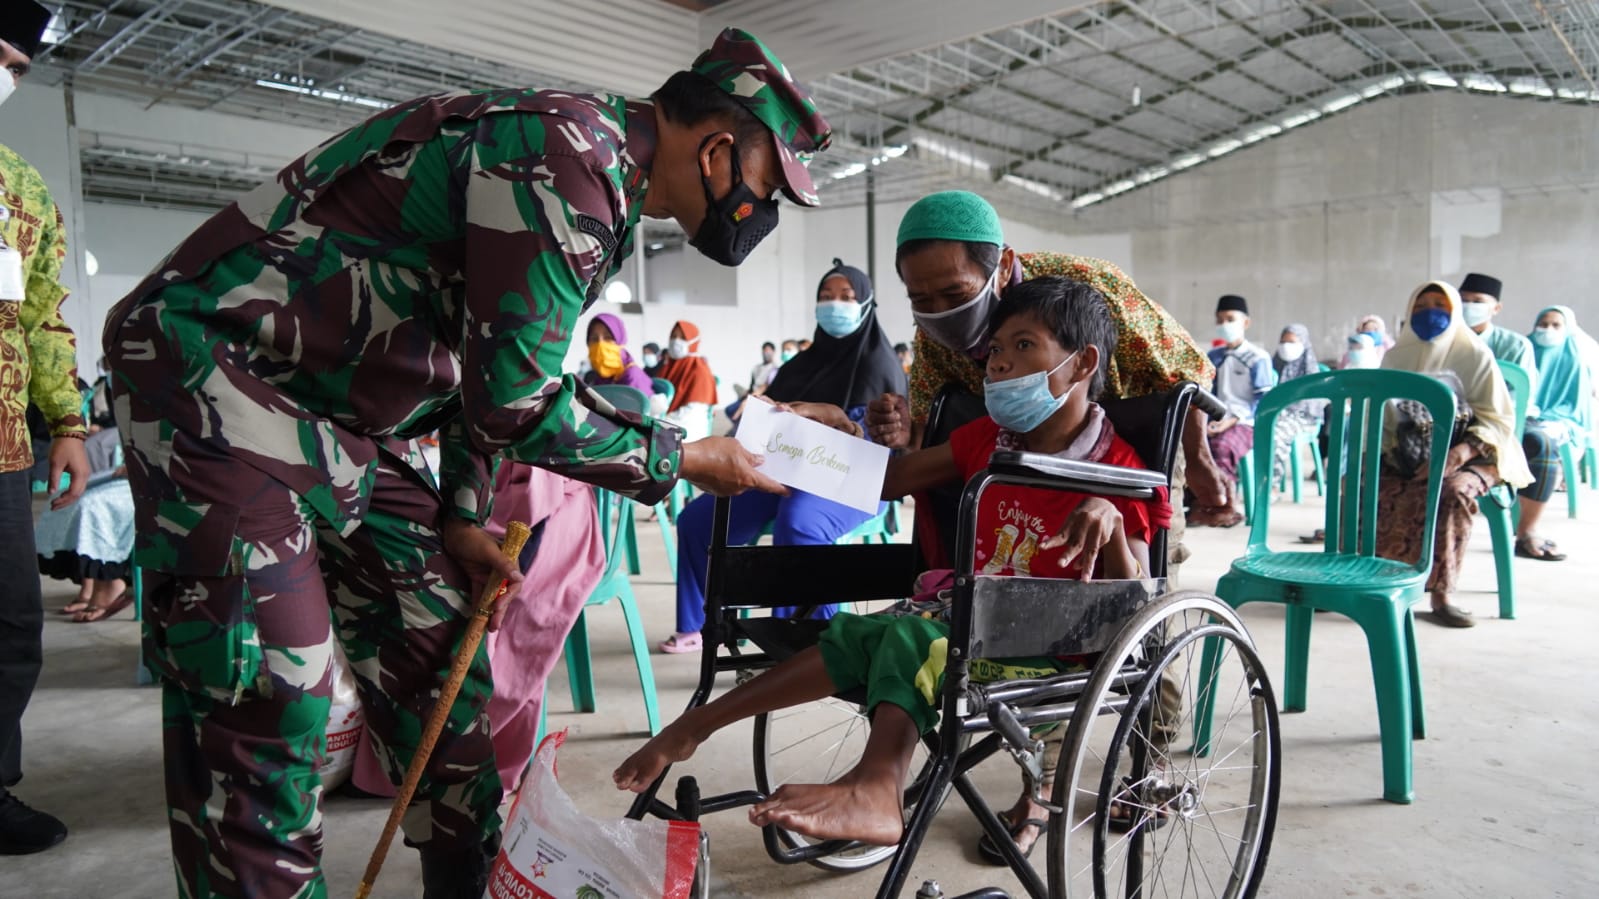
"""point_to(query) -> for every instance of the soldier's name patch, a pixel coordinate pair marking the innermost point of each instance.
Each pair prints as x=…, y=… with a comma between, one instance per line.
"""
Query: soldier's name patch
x=597, y=229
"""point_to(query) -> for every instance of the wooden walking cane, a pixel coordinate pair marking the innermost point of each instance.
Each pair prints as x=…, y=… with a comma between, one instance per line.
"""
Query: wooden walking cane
x=516, y=536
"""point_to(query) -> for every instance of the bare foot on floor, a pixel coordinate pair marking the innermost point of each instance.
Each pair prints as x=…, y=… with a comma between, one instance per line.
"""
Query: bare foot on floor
x=866, y=811
x=676, y=743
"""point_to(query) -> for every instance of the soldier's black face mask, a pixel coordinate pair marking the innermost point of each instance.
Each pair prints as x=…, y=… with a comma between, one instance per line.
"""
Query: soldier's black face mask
x=737, y=222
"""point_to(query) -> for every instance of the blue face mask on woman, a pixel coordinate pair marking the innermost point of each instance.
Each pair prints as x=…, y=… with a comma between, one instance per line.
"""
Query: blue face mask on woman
x=1429, y=323
x=839, y=318
x=1021, y=404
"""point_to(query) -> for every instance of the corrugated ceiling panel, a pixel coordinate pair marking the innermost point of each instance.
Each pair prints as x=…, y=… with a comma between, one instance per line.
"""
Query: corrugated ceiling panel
x=825, y=36
x=629, y=46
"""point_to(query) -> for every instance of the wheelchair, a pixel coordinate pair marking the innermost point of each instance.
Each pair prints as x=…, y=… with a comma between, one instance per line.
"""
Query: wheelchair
x=1193, y=820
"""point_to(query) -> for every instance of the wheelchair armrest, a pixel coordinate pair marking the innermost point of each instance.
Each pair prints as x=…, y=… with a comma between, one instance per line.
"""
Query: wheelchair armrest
x=1084, y=477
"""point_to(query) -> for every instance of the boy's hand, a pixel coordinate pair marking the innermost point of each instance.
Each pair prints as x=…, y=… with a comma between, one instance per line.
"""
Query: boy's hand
x=824, y=413
x=1223, y=426
x=1094, y=524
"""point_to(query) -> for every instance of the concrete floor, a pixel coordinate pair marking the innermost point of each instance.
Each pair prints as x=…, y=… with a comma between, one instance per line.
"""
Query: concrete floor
x=1504, y=783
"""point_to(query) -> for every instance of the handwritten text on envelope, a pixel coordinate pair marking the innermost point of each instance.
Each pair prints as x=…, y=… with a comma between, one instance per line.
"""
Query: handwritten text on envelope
x=813, y=457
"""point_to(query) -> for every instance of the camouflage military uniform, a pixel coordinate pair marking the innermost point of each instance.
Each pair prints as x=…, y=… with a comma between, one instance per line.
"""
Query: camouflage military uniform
x=424, y=270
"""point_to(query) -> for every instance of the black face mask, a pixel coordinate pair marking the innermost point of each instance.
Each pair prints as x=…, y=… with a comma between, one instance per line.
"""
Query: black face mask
x=736, y=223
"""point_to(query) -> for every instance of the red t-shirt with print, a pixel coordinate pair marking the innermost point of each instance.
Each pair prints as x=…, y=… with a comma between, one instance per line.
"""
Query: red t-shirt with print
x=1013, y=522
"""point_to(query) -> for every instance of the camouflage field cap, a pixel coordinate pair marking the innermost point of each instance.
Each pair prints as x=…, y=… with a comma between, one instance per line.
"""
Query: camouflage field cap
x=744, y=67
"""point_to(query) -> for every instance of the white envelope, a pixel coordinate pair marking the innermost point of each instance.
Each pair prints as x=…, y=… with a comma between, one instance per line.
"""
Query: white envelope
x=812, y=457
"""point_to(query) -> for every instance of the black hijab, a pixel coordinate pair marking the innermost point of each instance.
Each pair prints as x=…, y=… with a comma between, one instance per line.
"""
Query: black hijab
x=847, y=371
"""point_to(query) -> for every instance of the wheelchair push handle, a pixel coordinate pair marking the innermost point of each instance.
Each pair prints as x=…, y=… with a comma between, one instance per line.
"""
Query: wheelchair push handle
x=1209, y=404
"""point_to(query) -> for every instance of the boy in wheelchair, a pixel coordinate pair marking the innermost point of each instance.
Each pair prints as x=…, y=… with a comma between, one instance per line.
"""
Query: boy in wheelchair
x=1050, y=343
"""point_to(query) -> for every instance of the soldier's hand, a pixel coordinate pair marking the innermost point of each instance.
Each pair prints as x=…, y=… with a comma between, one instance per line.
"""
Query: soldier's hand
x=67, y=454
x=888, y=421
x=722, y=467
x=479, y=553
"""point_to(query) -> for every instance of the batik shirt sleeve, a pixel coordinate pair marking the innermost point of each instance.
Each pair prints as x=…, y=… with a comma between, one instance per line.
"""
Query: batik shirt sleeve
x=540, y=229
x=52, y=350
x=37, y=351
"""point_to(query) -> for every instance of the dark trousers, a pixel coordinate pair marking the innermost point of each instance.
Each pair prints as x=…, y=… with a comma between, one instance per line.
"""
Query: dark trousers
x=21, y=618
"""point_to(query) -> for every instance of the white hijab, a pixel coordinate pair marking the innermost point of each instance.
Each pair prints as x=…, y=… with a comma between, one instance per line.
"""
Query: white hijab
x=1458, y=350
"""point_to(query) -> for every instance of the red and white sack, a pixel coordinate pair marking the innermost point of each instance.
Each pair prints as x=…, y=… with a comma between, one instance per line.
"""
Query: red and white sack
x=345, y=722
x=550, y=849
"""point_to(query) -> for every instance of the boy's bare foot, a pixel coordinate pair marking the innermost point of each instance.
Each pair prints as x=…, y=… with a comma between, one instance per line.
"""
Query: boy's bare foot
x=675, y=743
x=867, y=810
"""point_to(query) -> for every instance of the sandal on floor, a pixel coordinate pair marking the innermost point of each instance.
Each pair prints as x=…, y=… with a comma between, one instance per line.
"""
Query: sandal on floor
x=1320, y=536
x=991, y=854
x=1124, y=814
x=1453, y=616
x=681, y=643
x=1215, y=518
x=1540, y=549
x=75, y=607
x=91, y=615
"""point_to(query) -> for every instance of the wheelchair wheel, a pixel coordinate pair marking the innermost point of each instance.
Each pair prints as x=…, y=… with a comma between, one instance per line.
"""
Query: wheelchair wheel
x=1143, y=813
x=817, y=743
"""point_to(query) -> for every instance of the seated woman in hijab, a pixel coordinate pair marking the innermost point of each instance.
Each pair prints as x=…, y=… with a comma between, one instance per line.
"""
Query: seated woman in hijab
x=1563, y=412
x=1361, y=352
x=1483, y=452
x=1295, y=357
x=91, y=541
x=612, y=363
x=850, y=363
x=1380, y=338
x=694, y=387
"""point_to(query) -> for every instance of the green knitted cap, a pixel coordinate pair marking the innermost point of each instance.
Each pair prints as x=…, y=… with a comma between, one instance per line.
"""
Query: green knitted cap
x=951, y=215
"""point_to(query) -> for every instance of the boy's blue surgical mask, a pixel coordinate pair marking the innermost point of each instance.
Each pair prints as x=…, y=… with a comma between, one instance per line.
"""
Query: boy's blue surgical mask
x=839, y=318
x=1021, y=404
x=788, y=353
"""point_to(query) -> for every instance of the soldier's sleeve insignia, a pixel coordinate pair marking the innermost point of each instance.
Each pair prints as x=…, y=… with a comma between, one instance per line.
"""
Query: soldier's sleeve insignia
x=601, y=232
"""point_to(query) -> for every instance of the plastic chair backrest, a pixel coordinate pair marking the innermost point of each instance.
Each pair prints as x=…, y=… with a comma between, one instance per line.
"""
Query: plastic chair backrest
x=664, y=387
x=1358, y=404
x=1519, y=381
x=623, y=397
x=611, y=509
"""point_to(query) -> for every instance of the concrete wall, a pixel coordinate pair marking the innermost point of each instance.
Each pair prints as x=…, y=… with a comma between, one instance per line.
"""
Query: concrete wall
x=1348, y=216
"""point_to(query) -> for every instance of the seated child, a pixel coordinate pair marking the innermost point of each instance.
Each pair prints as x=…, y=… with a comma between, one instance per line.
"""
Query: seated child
x=1050, y=342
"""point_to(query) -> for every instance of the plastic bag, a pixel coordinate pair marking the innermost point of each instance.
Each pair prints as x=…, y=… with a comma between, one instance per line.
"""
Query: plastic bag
x=345, y=722
x=550, y=849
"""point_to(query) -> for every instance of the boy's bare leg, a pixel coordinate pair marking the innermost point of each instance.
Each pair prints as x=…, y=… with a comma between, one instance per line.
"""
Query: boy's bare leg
x=799, y=679
x=866, y=804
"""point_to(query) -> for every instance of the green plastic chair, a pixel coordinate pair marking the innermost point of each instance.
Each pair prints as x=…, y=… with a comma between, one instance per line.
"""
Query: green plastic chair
x=614, y=584
x=1501, y=507
x=1246, y=483
x=1304, y=441
x=1571, y=466
x=1347, y=576
x=631, y=400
